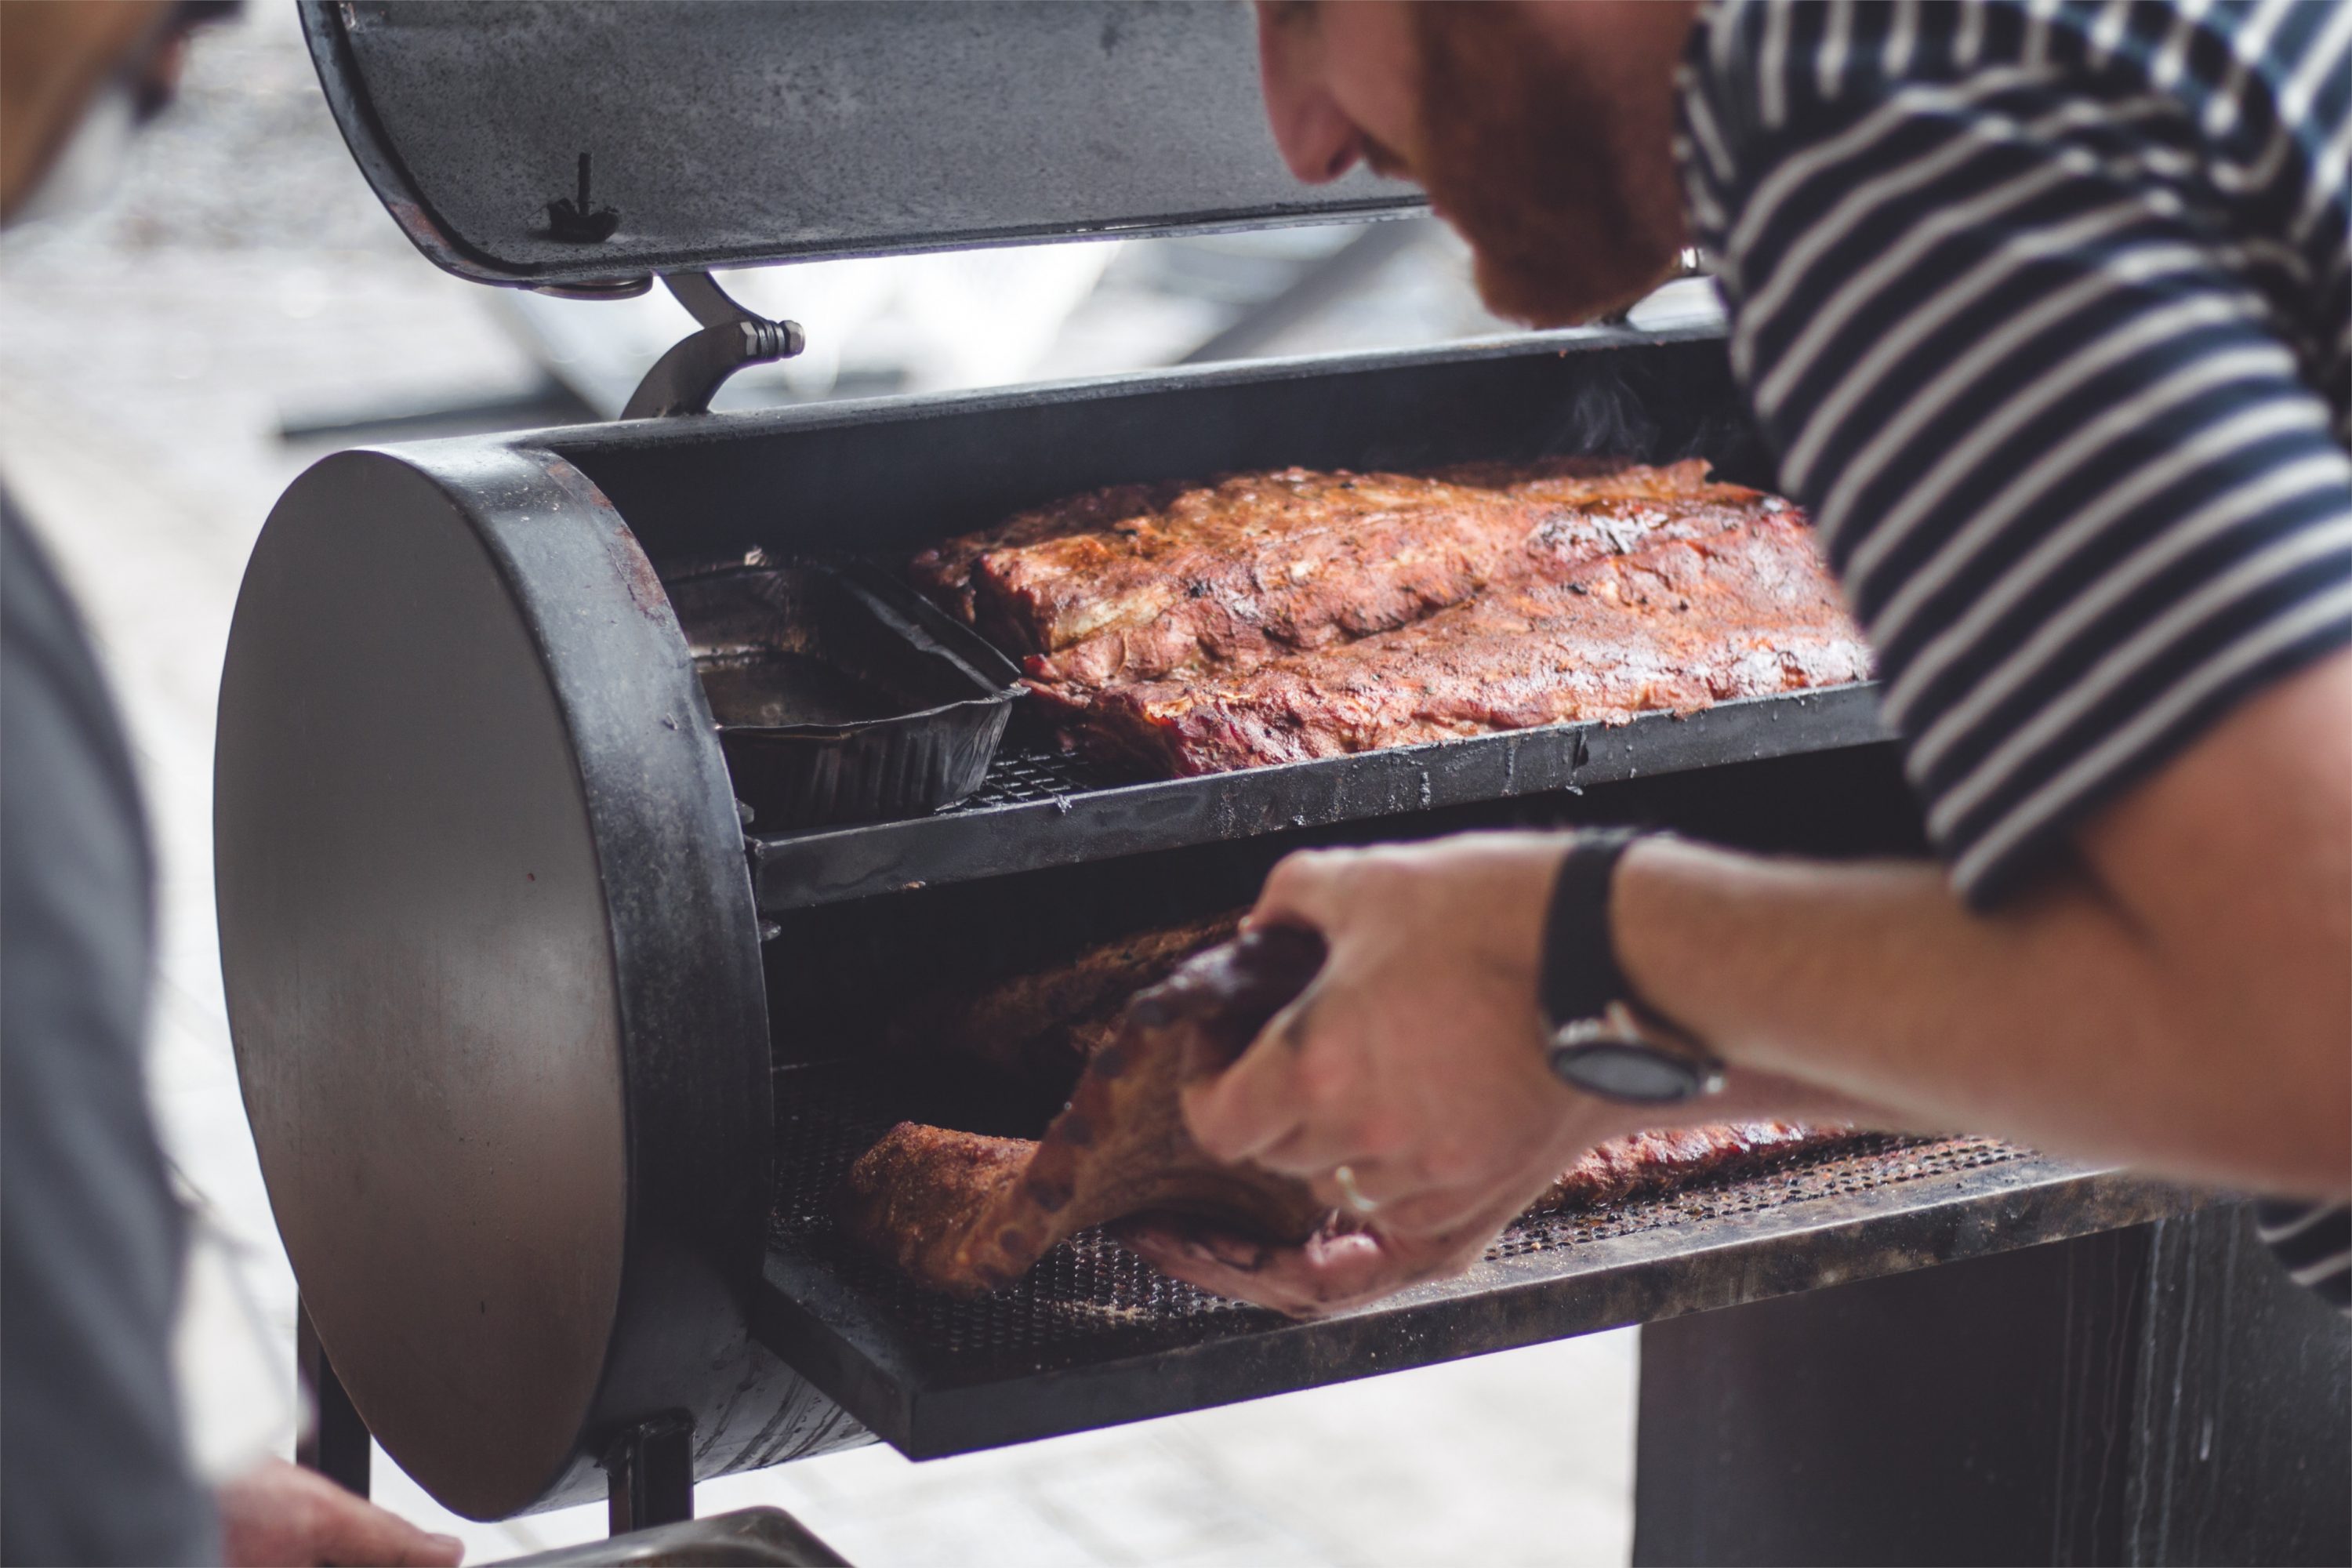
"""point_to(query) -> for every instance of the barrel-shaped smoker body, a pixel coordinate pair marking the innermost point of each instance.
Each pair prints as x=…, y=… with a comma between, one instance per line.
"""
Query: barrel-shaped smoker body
x=524, y=1019
x=488, y=925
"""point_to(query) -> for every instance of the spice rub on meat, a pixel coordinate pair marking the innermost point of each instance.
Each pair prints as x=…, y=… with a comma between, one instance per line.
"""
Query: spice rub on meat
x=1139, y=582
x=967, y=1213
x=1674, y=627
x=1175, y=629
x=1648, y=1163
x=1038, y=1027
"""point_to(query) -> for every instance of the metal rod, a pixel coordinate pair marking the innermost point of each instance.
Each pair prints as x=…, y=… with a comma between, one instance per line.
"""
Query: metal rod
x=649, y=1474
x=337, y=1445
x=684, y=380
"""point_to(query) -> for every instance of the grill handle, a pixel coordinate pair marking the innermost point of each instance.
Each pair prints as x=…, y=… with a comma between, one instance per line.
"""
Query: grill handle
x=685, y=379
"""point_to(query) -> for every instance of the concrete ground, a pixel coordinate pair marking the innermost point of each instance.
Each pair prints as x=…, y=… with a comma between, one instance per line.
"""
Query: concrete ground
x=148, y=354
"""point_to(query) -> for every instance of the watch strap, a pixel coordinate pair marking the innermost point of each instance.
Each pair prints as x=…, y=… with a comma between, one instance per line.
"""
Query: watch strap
x=1580, y=977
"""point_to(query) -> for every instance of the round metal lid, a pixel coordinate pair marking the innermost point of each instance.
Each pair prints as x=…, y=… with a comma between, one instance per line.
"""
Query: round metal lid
x=491, y=965
x=730, y=133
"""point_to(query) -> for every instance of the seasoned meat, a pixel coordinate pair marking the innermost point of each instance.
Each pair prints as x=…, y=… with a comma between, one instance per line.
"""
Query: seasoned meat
x=1040, y=1027
x=1674, y=626
x=924, y=1197
x=1651, y=1162
x=1141, y=581
x=967, y=1214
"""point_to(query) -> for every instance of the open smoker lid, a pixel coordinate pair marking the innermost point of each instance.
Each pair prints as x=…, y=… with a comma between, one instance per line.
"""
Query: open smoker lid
x=730, y=133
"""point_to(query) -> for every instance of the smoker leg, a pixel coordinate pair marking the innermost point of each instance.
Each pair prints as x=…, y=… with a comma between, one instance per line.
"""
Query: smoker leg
x=649, y=1474
x=338, y=1447
x=2158, y=1395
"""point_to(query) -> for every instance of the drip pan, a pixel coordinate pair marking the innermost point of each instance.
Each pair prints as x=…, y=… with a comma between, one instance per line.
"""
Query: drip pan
x=839, y=695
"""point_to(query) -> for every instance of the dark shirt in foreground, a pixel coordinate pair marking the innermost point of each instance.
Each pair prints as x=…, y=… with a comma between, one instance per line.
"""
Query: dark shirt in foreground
x=93, y=1466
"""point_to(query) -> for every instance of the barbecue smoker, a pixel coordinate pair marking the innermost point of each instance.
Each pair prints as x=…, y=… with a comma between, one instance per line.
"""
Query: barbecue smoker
x=553, y=1059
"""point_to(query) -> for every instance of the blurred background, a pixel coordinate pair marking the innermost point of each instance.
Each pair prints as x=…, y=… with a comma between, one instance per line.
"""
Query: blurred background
x=241, y=306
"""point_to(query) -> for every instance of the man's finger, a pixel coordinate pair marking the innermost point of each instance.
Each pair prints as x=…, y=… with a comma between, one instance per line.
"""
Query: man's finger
x=1454, y=1243
x=1404, y=1208
x=1308, y=889
x=1173, y=1233
x=1313, y=1151
x=1382, y=1183
x=278, y=1514
x=1328, y=1274
x=1436, y=1214
x=355, y=1530
x=1256, y=1103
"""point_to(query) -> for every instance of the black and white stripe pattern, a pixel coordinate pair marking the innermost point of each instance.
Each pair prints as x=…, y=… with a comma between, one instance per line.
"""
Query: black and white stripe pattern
x=2315, y=1242
x=2047, y=309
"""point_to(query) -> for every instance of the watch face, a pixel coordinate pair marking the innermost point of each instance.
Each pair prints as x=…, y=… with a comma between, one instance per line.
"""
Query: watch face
x=1629, y=1070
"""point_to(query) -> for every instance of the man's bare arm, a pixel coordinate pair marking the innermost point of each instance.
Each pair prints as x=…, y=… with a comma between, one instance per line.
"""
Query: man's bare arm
x=2179, y=998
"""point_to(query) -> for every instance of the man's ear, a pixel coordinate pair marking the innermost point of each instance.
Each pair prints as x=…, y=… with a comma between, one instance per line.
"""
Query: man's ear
x=54, y=56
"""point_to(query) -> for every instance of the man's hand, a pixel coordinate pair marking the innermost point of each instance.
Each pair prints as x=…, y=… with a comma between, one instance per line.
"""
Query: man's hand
x=1335, y=1270
x=278, y=1514
x=1415, y=1059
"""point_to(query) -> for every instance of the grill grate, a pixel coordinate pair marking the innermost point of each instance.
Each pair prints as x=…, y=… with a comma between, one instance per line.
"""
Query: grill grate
x=1018, y=778
x=1860, y=1166
x=1092, y=1297
x=1087, y=1288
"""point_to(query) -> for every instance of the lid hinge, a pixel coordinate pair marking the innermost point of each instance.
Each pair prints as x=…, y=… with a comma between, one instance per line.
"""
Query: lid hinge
x=685, y=379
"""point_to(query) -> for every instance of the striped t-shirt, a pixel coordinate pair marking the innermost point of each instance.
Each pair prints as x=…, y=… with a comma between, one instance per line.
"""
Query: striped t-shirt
x=2047, y=310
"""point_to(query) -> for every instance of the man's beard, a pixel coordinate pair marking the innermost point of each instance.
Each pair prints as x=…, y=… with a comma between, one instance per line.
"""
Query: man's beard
x=1570, y=210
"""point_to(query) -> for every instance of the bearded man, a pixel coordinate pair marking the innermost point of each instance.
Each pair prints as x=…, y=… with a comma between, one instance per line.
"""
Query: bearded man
x=2044, y=311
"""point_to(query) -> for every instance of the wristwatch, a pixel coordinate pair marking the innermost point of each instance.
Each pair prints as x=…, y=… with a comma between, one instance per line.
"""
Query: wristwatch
x=1603, y=1041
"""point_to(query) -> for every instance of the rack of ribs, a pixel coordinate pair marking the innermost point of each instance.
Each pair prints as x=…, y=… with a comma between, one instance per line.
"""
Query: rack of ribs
x=1038, y=1028
x=1177, y=629
x=1136, y=582
x=967, y=1213
x=1674, y=627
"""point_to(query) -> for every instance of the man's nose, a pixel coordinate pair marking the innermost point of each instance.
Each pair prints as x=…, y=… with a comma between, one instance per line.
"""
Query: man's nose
x=1319, y=141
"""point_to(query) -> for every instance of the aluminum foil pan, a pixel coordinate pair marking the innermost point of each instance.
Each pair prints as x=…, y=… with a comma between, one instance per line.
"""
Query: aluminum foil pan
x=840, y=695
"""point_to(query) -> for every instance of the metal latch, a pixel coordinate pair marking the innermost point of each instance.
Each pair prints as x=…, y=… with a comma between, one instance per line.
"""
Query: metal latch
x=685, y=379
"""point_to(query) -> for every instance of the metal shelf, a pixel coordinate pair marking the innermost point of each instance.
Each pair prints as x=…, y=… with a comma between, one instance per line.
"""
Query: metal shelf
x=1043, y=809
x=1092, y=1336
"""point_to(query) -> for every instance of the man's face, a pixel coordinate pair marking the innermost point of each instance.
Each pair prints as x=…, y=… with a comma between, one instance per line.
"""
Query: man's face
x=1544, y=133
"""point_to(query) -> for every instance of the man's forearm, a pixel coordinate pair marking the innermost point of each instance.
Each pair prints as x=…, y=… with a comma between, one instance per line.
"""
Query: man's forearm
x=2055, y=1021
x=1753, y=1094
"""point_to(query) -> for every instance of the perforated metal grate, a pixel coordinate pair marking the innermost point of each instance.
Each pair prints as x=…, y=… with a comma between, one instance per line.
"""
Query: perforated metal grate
x=1087, y=1288
x=1093, y=1295
x=1855, y=1167
x=1017, y=778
